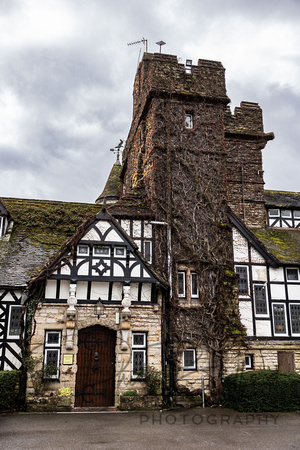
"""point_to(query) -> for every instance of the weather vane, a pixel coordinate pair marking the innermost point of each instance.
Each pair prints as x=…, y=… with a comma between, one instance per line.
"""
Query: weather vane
x=117, y=150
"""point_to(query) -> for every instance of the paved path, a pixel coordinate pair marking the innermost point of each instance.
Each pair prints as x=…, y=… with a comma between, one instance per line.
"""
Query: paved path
x=184, y=429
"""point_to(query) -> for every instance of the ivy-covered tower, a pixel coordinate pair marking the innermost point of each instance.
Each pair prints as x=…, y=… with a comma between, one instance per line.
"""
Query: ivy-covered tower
x=176, y=144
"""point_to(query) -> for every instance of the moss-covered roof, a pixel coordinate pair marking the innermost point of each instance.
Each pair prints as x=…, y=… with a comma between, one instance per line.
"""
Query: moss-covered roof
x=282, y=199
x=39, y=229
x=113, y=186
x=284, y=244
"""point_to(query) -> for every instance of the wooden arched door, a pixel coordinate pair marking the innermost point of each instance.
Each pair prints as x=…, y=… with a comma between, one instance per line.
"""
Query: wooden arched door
x=95, y=379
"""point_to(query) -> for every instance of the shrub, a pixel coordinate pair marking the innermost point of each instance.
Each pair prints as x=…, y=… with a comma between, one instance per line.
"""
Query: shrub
x=153, y=380
x=262, y=390
x=132, y=393
x=9, y=381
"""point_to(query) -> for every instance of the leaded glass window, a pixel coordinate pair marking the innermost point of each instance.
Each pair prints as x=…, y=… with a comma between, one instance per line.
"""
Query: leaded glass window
x=52, y=351
x=261, y=307
x=295, y=318
x=242, y=271
x=139, y=345
x=14, y=322
x=279, y=318
x=292, y=274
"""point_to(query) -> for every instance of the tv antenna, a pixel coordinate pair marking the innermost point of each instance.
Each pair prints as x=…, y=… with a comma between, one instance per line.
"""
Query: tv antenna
x=143, y=41
x=117, y=150
x=160, y=43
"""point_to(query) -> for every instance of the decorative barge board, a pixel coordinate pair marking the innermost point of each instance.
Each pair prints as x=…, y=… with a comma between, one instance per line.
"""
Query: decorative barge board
x=99, y=321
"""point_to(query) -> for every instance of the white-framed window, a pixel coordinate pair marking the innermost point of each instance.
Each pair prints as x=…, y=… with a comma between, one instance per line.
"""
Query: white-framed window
x=292, y=274
x=189, y=359
x=14, y=326
x=286, y=213
x=194, y=285
x=274, y=212
x=181, y=279
x=279, y=319
x=249, y=362
x=120, y=251
x=139, y=354
x=52, y=350
x=243, y=284
x=148, y=251
x=260, y=300
x=297, y=214
x=101, y=250
x=83, y=250
x=189, y=120
x=295, y=318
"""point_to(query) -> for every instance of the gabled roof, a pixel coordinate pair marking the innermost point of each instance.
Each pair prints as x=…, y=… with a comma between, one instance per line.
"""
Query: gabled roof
x=40, y=228
x=282, y=199
x=82, y=234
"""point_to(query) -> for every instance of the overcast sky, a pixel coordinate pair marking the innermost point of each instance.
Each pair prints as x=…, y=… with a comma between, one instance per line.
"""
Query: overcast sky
x=66, y=78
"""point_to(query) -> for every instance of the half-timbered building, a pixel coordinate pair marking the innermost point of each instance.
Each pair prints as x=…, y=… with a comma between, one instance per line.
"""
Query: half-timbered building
x=110, y=283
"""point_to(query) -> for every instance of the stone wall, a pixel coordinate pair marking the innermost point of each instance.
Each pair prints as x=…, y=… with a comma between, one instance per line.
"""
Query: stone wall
x=146, y=318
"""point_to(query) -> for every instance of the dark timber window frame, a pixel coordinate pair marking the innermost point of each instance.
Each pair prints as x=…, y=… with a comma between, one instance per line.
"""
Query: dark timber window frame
x=295, y=318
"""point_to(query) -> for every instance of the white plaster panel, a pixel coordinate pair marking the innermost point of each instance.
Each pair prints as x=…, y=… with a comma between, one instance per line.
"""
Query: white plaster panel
x=125, y=224
x=81, y=290
x=102, y=226
x=99, y=290
x=9, y=298
x=294, y=292
x=118, y=271
x=259, y=273
x=147, y=230
x=136, y=228
x=136, y=271
x=51, y=289
x=83, y=269
x=146, y=292
x=92, y=235
x=256, y=256
x=276, y=274
x=145, y=274
x=134, y=291
x=263, y=328
x=240, y=246
x=297, y=222
x=117, y=291
x=65, y=270
x=277, y=291
x=246, y=316
x=113, y=236
x=12, y=358
x=64, y=289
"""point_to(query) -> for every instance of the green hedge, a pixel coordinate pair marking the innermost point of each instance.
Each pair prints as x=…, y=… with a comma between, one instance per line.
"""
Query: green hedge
x=262, y=390
x=9, y=381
